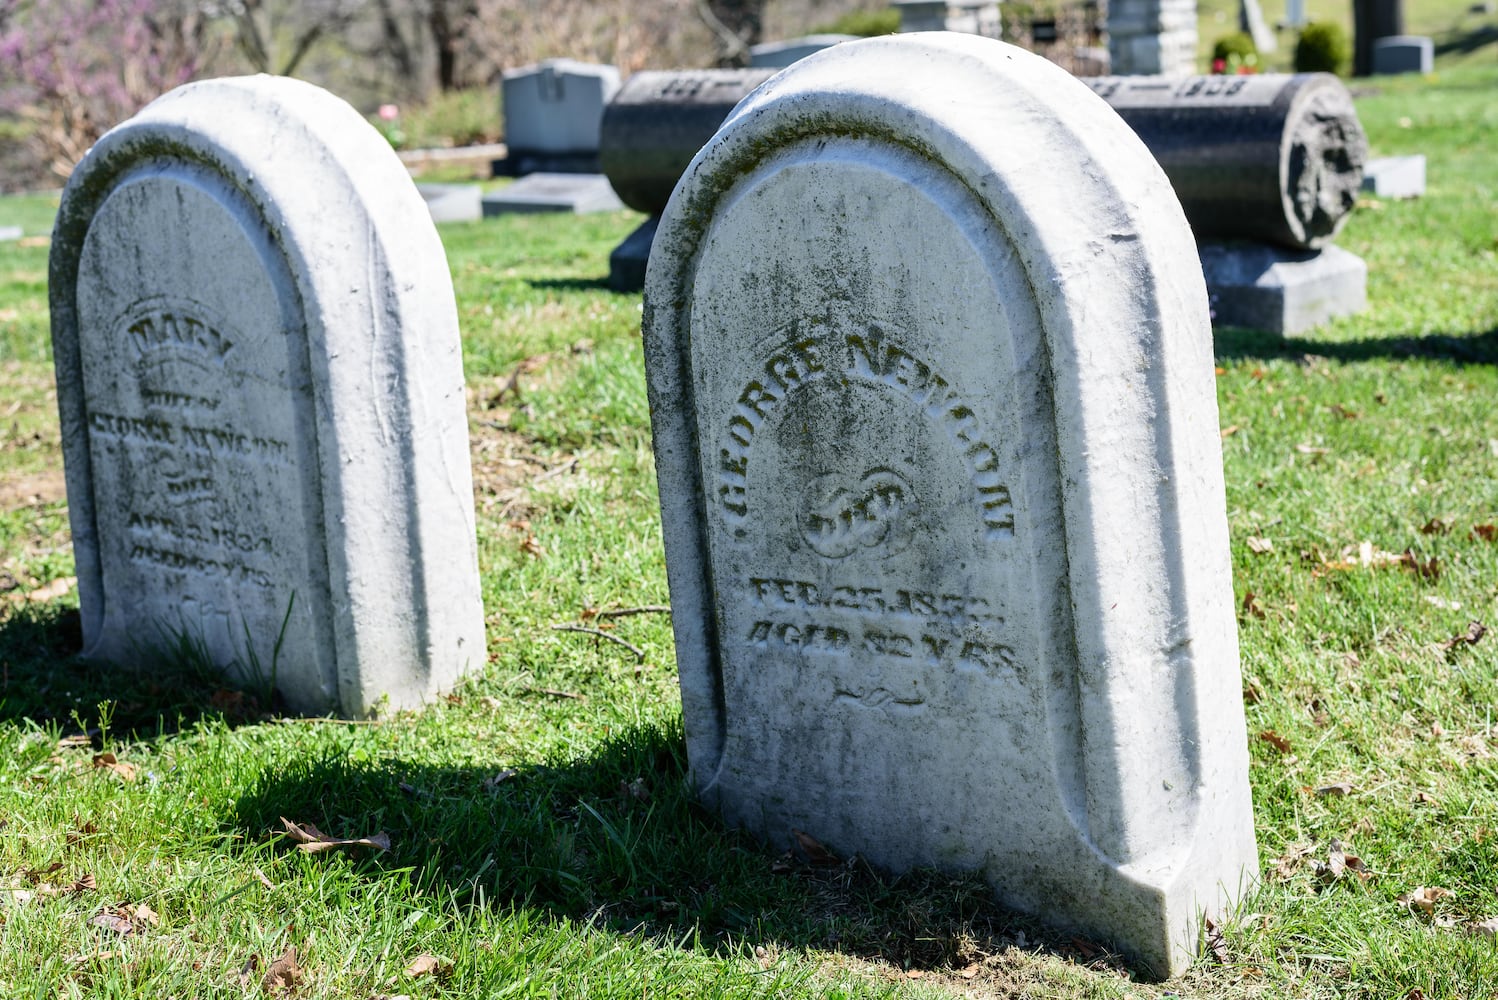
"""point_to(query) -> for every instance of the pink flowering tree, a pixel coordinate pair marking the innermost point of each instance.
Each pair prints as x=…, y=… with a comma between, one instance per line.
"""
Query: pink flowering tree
x=74, y=68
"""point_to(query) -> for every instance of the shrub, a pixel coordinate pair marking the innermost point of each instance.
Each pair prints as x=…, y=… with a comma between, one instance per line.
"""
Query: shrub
x=866, y=23
x=1323, y=48
x=1239, y=43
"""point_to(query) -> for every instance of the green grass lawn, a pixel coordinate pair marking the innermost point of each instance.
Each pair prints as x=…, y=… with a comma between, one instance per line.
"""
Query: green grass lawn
x=542, y=841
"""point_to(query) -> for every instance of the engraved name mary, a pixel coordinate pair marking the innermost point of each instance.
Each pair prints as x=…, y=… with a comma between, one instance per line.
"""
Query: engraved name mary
x=170, y=417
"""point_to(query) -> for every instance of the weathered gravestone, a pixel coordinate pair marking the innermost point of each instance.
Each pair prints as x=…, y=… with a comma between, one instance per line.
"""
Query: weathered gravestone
x=262, y=406
x=930, y=375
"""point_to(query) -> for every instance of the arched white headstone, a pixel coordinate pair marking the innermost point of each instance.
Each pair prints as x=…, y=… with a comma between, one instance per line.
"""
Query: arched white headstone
x=261, y=391
x=931, y=378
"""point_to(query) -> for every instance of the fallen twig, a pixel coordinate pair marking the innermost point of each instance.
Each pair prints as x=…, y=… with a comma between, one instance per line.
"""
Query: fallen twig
x=554, y=693
x=644, y=609
x=639, y=653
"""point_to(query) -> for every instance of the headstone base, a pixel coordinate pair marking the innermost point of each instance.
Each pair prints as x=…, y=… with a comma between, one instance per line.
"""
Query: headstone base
x=520, y=163
x=575, y=193
x=1282, y=291
x=627, y=262
x=1395, y=177
x=452, y=202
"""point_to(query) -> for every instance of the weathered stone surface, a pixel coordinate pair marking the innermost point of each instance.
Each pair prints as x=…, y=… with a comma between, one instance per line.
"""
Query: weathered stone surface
x=1273, y=157
x=452, y=202
x=930, y=374
x=1403, y=54
x=261, y=395
x=1395, y=176
x=552, y=112
x=783, y=53
x=545, y=192
x=1282, y=291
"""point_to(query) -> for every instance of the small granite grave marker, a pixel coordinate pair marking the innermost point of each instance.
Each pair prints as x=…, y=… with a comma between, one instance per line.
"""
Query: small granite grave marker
x=1403, y=54
x=552, y=112
x=545, y=192
x=452, y=202
x=930, y=376
x=262, y=406
x=1395, y=176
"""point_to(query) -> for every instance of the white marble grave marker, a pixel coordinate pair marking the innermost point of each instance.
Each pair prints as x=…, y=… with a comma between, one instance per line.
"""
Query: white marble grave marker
x=261, y=391
x=931, y=378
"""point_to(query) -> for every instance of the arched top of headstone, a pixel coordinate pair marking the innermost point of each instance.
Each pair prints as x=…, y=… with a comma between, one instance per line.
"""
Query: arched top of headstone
x=930, y=365
x=260, y=386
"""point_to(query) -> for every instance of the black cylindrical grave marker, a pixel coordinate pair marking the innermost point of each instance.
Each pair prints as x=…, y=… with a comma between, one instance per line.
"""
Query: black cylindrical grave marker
x=1272, y=158
x=657, y=123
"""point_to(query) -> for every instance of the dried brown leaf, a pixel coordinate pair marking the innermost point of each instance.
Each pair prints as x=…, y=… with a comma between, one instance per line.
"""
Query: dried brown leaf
x=429, y=965
x=260, y=877
x=112, y=920
x=1485, y=928
x=1217, y=945
x=84, y=883
x=1275, y=740
x=1424, y=899
x=1228, y=431
x=1475, y=631
x=312, y=840
x=495, y=780
x=112, y=763
x=284, y=973
x=49, y=592
x=248, y=970
x=1251, y=605
x=1339, y=789
x=813, y=849
x=1252, y=693
x=1259, y=546
x=1485, y=532
x=1435, y=526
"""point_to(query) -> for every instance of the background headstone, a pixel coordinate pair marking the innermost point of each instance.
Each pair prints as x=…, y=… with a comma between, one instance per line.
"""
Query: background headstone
x=1395, y=176
x=973, y=17
x=575, y=193
x=780, y=54
x=10, y=233
x=921, y=318
x=552, y=111
x=452, y=202
x=1152, y=37
x=1272, y=157
x=1403, y=54
x=261, y=395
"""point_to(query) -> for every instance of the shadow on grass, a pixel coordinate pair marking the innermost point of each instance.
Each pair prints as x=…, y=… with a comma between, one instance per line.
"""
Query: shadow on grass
x=1467, y=41
x=574, y=284
x=1236, y=343
x=616, y=840
x=44, y=680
